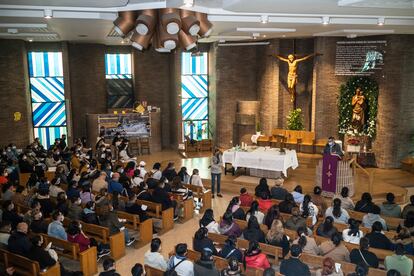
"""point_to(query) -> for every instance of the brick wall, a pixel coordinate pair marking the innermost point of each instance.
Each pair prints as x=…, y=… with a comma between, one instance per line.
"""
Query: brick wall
x=235, y=80
x=87, y=81
x=14, y=93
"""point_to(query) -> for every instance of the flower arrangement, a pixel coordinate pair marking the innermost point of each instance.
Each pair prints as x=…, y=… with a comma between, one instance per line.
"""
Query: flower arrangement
x=295, y=120
x=346, y=92
x=354, y=141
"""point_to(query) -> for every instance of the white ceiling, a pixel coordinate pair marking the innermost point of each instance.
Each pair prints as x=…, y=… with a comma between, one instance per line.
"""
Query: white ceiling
x=91, y=20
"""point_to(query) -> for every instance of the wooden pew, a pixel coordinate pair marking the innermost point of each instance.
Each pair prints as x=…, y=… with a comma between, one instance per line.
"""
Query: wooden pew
x=144, y=228
x=316, y=262
x=341, y=227
x=155, y=210
x=25, y=266
x=205, y=196
x=100, y=233
x=187, y=205
x=70, y=250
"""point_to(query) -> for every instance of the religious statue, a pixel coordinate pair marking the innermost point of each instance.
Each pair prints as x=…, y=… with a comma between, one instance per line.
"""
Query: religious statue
x=292, y=77
x=358, y=111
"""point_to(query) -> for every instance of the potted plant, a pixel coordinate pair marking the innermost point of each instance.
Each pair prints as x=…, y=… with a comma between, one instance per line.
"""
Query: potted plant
x=295, y=120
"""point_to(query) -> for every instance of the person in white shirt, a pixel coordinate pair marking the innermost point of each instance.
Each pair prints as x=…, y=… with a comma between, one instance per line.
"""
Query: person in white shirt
x=136, y=179
x=339, y=214
x=254, y=210
x=352, y=234
x=208, y=222
x=179, y=261
x=156, y=172
x=195, y=179
x=142, y=169
x=153, y=257
x=373, y=216
x=308, y=209
x=346, y=201
x=298, y=195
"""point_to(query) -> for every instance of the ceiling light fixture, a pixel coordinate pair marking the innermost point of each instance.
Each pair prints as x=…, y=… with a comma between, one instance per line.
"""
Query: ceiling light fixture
x=264, y=19
x=190, y=24
x=170, y=20
x=188, y=3
x=30, y=39
x=146, y=22
x=381, y=21
x=325, y=20
x=47, y=13
x=125, y=22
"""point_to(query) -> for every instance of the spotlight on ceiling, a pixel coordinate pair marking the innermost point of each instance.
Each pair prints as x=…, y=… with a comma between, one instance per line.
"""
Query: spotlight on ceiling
x=30, y=39
x=381, y=21
x=141, y=42
x=205, y=26
x=171, y=20
x=190, y=24
x=325, y=20
x=166, y=39
x=188, y=3
x=264, y=19
x=125, y=22
x=47, y=13
x=187, y=41
x=146, y=22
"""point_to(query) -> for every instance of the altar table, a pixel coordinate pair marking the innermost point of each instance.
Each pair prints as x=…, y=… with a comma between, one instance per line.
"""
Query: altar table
x=270, y=159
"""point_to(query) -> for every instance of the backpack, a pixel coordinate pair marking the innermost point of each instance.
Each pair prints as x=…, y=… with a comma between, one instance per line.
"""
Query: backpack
x=171, y=271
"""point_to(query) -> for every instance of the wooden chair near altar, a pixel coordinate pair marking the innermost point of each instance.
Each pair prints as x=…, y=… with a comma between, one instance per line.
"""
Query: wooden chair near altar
x=144, y=145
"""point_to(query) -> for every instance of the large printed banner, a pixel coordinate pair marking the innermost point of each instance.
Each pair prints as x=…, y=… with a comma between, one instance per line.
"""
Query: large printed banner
x=359, y=57
x=128, y=125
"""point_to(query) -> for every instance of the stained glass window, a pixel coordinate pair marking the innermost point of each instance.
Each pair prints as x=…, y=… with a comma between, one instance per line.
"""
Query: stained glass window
x=119, y=80
x=47, y=95
x=194, y=96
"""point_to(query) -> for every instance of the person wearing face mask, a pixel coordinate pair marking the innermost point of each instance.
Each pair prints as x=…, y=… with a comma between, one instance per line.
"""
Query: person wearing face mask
x=75, y=210
x=114, y=184
x=39, y=254
x=110, y=219
x=10, y=214
x=55, y=228
x=89, y=215
x=38, y=225
x=333, y=148
x=24, y=164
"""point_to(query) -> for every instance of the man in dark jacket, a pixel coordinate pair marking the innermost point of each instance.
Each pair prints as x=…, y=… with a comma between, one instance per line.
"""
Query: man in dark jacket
x=161, y=196
x=133, y=207
x=19, y=243
x=333, y=148
x=378, y=239
x=362, y=255
x=293, y=266
x=110, y=219
x=109, y=267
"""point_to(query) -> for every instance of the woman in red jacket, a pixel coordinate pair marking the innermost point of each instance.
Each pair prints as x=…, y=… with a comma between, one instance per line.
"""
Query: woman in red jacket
x=254, y=258
x=76, y=235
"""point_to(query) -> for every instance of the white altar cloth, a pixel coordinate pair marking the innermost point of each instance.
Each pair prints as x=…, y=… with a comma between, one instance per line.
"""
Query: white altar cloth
x=262, y=158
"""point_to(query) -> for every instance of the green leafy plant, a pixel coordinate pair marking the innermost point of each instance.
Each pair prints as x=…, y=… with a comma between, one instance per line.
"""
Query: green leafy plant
x=346, y=92
x=295, y=120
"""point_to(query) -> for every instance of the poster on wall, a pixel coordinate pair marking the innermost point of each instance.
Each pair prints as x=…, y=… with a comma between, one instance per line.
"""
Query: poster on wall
x=128, y=125
x=359, y=57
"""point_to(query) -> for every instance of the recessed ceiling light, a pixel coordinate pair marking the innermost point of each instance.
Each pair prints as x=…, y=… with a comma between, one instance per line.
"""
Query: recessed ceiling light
x=381, y=21
x=283, y=35
x=30, y=39
x=48, y=13
x=325, y=20
x=264, y=19
x=264, y=35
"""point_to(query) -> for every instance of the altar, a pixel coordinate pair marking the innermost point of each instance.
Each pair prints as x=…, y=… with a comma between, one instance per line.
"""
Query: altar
x=262, y=158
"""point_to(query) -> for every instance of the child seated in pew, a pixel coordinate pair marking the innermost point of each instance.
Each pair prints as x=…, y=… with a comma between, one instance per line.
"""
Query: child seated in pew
x=307, y=244
x=233, y=269
x=201, y=241
x=246, y=199
x=254, y=258
x=76, y=235
x=153, y=256
x=230, y=249
x=362, y=255
x=228, y=227
x=208, y=222
x=205, y=265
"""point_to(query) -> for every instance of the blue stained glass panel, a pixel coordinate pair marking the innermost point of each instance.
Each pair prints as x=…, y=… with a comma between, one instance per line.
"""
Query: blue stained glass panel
x=194, y=86
x=194, y=65
x=45, y=64
x=50, y=89
x=49, y=114
x=118, y=64
x=194, y=109
x=195, y=130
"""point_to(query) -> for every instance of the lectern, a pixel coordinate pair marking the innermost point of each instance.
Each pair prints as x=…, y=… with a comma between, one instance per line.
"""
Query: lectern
x=332, y=174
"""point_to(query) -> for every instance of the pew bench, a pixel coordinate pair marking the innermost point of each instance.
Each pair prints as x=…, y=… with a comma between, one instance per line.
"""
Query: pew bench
x=205, y=196
x=187, y=206
x=391, y=222
x=144, y=228
x=25, y=266
x=155, y=210
x=87, y=258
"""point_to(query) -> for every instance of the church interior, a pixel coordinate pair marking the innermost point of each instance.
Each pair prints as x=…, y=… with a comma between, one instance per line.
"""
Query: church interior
x=189, y=137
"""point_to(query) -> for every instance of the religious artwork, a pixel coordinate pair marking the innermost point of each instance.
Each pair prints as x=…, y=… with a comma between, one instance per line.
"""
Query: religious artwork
x=128, y=125
x=358, y=110
x=292, y=77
